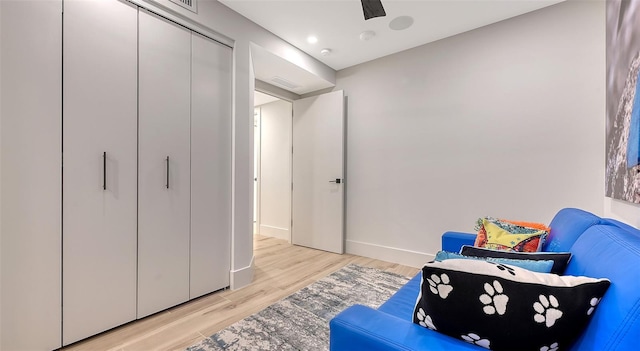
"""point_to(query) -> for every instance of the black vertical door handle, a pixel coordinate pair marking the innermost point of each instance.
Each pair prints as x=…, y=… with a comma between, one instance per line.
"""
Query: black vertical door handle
x=167, y=172
x=104, y=170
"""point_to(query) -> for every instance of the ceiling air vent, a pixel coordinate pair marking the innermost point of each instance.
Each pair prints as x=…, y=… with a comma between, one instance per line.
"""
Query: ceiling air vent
x=284, y=83
x=187, y=4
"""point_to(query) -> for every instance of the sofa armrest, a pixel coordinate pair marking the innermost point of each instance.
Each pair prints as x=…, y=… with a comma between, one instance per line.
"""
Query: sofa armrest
x=363, y=328
x=453, y=241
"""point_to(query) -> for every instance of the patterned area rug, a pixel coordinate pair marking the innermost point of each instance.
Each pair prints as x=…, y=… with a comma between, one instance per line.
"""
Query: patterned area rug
x=301, y=321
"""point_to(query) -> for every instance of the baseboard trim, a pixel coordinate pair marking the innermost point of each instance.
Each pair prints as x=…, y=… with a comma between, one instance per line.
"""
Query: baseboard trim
x=242, y=277
x=275, y=232
x=389, y=254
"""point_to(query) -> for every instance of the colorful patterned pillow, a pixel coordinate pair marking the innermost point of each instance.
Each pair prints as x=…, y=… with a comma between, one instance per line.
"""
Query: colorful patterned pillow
x=560, y=259
x=540, y=266
x=506, y=235
x=505, y=308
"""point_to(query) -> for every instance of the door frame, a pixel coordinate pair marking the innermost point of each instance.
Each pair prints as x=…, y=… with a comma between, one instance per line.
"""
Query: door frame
x=257, y=152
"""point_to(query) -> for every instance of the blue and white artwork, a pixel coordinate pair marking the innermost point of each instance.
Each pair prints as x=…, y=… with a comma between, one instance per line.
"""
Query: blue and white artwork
x=622, y=173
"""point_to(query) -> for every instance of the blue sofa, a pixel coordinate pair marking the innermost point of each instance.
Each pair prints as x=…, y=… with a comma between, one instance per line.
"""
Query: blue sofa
x=601, y=248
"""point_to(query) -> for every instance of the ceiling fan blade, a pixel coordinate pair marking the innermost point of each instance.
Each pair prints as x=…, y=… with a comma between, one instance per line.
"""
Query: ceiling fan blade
x=372, y=8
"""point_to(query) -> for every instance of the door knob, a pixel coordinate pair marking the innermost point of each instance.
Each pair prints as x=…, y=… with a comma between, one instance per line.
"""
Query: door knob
x=337, y=181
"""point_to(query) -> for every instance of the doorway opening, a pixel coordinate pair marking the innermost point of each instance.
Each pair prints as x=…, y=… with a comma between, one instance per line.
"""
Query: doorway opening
x=302, y=199
x=299, y=170
x=272, y=166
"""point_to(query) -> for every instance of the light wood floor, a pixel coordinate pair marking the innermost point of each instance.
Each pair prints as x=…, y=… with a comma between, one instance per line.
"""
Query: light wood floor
x=280, y=270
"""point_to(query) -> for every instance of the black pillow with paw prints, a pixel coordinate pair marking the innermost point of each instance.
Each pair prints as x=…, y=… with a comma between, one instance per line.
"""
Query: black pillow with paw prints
x=502, y=307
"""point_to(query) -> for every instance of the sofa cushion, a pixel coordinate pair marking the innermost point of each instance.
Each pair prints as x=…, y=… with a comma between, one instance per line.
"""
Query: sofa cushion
x=361, y=328
x=453, y=241
x=505, y=308
x=541, y=266
x=560, y=259
x=611, y=252
x=566, y=227
x=617, y=223
x=401, y=304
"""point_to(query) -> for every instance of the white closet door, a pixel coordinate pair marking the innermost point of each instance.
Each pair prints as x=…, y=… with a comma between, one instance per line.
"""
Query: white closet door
x=30, y=174
x=210, y=166
x=99, y=194
x=164, y=163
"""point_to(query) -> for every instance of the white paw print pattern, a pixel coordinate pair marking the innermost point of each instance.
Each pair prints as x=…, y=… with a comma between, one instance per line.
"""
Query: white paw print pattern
x=475, y=339
x=552, y=347
x=440, y=285
x=593, y=303
x=494, y=299
x=425, y=320
x=547, y=310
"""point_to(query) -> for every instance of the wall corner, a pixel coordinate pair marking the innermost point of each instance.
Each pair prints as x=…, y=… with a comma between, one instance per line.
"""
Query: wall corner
x=242, y=277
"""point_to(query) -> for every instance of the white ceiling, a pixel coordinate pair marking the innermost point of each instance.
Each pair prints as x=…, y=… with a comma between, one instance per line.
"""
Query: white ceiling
x=338, y=23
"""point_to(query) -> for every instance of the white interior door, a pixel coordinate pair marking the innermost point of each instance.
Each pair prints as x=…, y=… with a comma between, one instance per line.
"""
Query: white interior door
x=100, y=170
x=163, y=164
x=318, y=170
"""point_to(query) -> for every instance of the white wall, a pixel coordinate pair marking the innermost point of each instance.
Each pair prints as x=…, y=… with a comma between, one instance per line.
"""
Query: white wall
x=506, y=120
x=275, y=169
x=622, y=211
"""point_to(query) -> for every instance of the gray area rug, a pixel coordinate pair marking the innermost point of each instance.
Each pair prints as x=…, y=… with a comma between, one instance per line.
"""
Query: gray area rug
x=301, y=321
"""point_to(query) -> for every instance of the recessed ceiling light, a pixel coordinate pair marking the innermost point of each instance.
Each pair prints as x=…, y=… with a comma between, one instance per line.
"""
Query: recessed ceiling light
x=311, y=39
x=401, y=23
x=367, y=34
x=325, y=52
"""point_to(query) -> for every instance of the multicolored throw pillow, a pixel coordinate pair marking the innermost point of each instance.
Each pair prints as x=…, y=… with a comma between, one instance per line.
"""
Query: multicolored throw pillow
x=506, y=308
x=506, y=235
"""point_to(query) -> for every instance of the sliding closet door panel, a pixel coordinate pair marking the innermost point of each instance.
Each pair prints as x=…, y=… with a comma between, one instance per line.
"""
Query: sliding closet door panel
x=99, y=169
x=164, y=163
x=210, y=166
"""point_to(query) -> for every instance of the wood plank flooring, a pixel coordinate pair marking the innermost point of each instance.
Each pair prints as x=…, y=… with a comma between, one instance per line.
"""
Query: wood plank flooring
x=280, y=270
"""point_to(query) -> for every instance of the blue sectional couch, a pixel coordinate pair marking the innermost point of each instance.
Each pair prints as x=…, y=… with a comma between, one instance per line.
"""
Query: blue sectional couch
x=601, y=248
